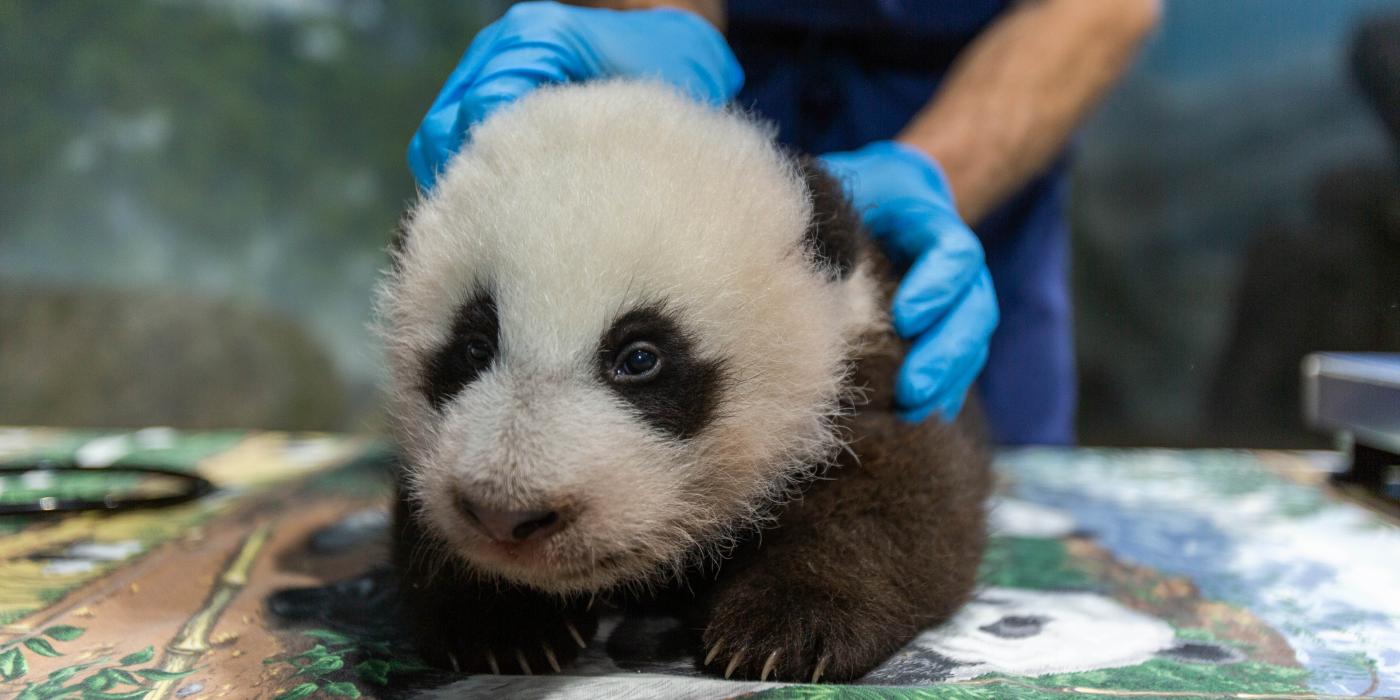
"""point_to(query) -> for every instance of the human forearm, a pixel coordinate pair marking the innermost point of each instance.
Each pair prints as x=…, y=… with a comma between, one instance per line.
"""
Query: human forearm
x=1014, y=96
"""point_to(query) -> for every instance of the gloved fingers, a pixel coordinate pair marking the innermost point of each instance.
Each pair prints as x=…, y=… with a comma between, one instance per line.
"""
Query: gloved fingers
x=942, y=274
x=946, y=358
x=949, y=406
x=515, y=68
x=908, y=226
x=437, y=136
x=539, y=43
x=677, y=47
x=522, y=50
x=714, y=88
x=510, y=74
x=430, y=148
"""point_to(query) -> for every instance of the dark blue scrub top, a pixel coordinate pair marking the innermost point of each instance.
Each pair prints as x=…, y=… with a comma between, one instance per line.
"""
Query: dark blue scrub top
x=837, y=74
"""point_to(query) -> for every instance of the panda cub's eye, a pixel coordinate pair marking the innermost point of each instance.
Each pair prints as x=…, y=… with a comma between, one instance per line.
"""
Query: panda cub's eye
x=637, y=362
x=479, y=350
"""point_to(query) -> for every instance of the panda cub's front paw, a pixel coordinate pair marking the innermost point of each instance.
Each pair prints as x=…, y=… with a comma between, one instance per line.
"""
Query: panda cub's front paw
x=505, y=636
x=762, y=628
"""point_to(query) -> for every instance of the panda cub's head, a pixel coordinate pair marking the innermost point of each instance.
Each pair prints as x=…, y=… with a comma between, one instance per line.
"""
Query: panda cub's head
x=618, y=330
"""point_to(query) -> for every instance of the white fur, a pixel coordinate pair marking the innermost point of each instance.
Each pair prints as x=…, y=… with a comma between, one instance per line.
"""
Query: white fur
x=573, y=206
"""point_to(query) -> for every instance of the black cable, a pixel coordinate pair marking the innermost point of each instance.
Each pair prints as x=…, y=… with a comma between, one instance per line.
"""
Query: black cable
x=192, y=486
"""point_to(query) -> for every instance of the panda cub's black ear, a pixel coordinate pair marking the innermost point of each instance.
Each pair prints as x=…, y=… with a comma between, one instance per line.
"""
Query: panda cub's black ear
x=833, y=235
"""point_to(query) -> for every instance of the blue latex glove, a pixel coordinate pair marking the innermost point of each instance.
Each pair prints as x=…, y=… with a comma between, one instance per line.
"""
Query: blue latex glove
x=945, y=303
x=538, y=43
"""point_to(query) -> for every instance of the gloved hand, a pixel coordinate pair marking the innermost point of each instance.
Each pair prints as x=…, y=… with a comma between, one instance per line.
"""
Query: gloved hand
x=537, y=43
x=945, y=302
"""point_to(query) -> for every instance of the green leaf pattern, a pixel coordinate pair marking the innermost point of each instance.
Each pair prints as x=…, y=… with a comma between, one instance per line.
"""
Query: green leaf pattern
x=41, y=647
x=298, y=692
x=12, y=664
x=103, y=684
x=64, y=633
x=374, y=662
x=159, y=675
x=139, y=657
x=342, y=690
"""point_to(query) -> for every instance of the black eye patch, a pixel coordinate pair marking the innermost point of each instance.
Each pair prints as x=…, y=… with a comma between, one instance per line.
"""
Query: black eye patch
x=469, y=350
x=680, y=398
x=1016, y=626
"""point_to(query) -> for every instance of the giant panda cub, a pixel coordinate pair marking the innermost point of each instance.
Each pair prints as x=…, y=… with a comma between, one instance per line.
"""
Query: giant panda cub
x=640, y=354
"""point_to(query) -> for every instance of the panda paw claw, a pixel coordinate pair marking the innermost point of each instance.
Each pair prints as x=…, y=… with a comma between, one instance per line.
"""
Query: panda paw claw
x=780, y=663
x=511, y=642
x=750, y=635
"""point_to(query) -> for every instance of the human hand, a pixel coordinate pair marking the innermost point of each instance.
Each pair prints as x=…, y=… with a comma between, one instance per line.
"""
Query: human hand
x=538, y=43
x=945, y=303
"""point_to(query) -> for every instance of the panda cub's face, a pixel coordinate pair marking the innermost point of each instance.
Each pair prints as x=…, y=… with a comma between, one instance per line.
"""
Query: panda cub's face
x=611, y=342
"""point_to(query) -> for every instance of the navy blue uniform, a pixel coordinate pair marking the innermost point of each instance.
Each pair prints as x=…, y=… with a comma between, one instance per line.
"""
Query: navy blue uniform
x=836, y=75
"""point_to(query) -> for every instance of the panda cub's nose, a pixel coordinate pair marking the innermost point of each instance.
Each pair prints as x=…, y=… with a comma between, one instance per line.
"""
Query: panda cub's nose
x=513, y=525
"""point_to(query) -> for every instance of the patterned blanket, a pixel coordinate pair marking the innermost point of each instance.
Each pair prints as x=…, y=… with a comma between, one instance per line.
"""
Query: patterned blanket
x=1130, y=573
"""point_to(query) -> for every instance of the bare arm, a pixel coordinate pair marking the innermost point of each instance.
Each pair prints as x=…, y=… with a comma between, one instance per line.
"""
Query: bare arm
x=1016, y=93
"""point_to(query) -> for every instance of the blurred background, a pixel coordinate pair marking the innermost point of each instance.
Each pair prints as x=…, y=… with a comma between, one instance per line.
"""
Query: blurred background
x=195, y=197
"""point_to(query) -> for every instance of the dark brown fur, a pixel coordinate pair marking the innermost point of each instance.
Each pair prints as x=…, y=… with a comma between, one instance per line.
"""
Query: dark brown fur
x=886, y=544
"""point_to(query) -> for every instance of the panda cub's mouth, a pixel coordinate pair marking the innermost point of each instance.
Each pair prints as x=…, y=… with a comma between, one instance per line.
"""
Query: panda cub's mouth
x=536, y=564
x=540, y=546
